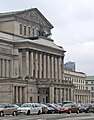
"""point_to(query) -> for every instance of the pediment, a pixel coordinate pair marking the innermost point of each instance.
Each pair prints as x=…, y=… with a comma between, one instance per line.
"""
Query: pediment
x=34, y=15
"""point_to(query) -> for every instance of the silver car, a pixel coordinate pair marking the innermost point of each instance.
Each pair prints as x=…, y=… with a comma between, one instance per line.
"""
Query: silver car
x=30, y=108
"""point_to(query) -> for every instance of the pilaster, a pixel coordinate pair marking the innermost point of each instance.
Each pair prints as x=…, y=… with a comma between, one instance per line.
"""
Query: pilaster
x=27, y=62
x=51, y=94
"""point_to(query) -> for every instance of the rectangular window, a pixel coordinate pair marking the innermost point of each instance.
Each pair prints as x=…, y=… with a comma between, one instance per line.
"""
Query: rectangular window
x=91, y=82
x=24, y=30
x=29, y=31
x=86, y=88
x=33, y=32
x=92, y=88
x=30, y=99
x=21, y=29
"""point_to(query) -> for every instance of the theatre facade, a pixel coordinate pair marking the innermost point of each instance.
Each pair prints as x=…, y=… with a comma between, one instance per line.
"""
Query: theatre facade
x=31, y=64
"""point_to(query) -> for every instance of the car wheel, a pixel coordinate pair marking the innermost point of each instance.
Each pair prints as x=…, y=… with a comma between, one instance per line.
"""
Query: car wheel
x=1, y=113
x=28, y=112
x=14, y=113
x=59, y=112
x=77, y=111
x=39, y=112
x=69, y=112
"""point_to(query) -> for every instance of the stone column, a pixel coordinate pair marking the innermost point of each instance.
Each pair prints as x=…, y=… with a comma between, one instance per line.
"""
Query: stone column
x=11, y=68
x=13, y=94
x=20, y=94
x=16, y=94
x=36, y=65
x=24, y=95
x=60, y=95
x=31, y=64
x=3, y=67
x=27, y=62
x=68, y=94
x=40, y=65
x=7, y=68
x=52, y=67
x=60, y=72
x=20, y=63
x=71, y=95
x=0, y=67
x=48, y=68
x=64, y=93
x=56, y=69
x=15, y=67
x=56, y=96
x=44, y=65
x=51, y=94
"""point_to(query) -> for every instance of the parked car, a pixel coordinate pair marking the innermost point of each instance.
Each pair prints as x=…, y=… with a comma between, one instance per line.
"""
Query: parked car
x=44, y=108
x=16, y=106
x=69, y=108
x=50, y=110
x=30, y=108
x=91, y=108
x=8, y=109
x=84, y=108
x=56, y=109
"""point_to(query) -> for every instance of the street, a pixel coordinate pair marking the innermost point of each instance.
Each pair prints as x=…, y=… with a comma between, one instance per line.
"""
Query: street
x=81, y=116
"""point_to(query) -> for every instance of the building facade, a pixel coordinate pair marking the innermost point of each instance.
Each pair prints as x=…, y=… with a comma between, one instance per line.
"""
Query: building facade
x=70, y=66
x=90, y=86
x=31, y=64
x=81, y=94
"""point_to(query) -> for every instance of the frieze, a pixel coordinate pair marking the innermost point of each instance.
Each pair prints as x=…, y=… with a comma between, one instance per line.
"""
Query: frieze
x=34, y=17
x=5, y=50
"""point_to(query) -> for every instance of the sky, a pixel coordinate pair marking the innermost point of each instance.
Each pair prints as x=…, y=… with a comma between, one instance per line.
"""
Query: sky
x=73, y=22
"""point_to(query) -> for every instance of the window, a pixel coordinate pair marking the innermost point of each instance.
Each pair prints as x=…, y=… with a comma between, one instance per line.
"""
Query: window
x=30, y=99
x=86, y=88
x=92, y=94
x=21, y=29
x=86, y=82
x=24, y=30
x=33, y=32
x=91, y=82
x=92, y=88
x=29, y=31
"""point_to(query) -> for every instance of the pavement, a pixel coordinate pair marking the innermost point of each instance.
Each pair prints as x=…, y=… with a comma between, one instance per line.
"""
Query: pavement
x=73, y=116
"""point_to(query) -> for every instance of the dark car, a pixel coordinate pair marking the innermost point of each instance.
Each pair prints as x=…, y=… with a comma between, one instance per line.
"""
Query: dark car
x=56, y=108
x=85, y=108
x=66, y=102
x=69, y=108
x=91, y=108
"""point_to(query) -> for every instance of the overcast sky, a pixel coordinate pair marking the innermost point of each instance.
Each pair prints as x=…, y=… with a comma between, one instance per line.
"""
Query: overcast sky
x=73, y=22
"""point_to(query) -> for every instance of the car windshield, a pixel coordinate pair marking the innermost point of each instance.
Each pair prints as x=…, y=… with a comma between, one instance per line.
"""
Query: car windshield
x=66, y=105
x=26, y=105
x=2, y=105
x=57, y=105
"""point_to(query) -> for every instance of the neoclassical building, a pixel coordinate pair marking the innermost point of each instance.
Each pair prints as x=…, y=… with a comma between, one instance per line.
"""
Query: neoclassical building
x=81, y=94
x=90, y=86
x=31, y=64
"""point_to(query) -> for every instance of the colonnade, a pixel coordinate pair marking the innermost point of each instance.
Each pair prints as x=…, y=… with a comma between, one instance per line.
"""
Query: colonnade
x=83, y=98
x=5, y=67
x=58, y=95
x=41, y=65
x=19, y=94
